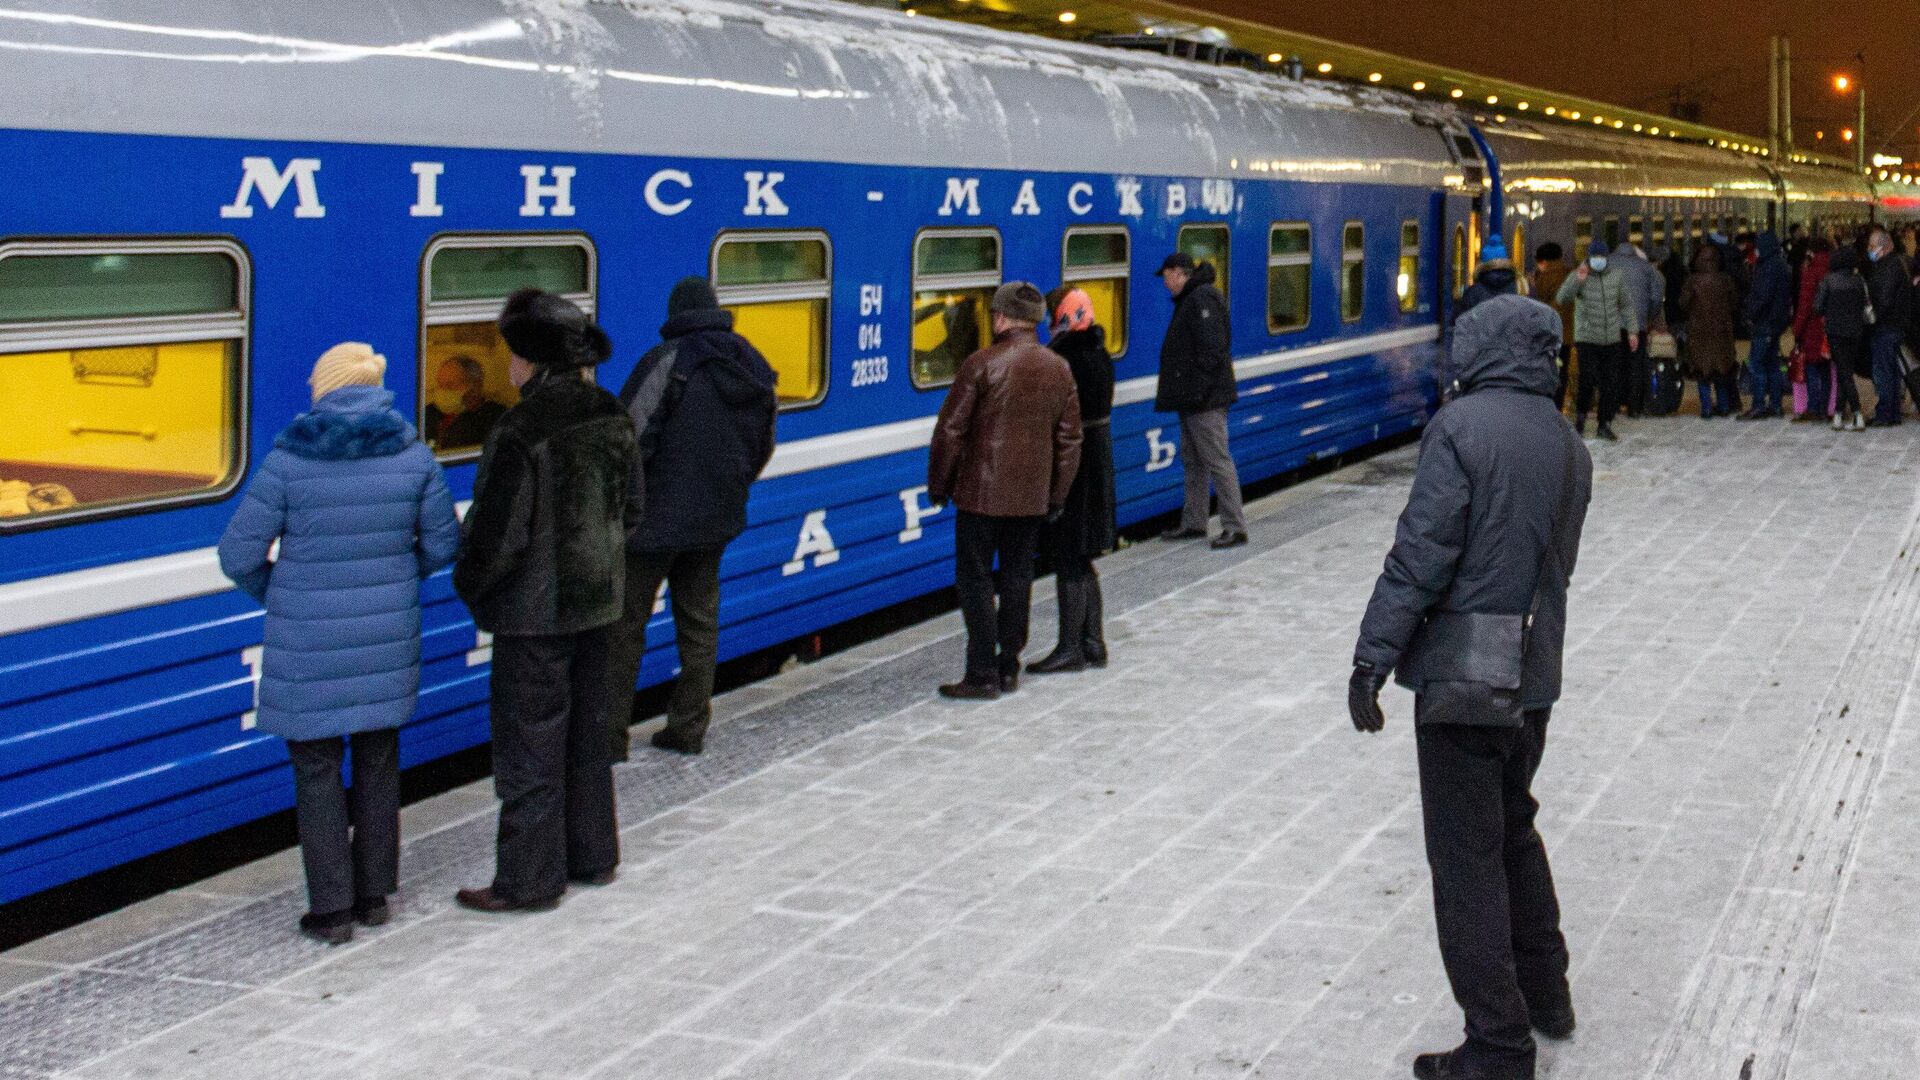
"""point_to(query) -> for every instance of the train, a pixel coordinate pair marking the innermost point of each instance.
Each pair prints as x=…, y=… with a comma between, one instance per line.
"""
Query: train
x=195, y=203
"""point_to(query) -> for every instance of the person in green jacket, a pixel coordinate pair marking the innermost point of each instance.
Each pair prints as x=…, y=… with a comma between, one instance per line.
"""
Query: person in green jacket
x=1606, y=327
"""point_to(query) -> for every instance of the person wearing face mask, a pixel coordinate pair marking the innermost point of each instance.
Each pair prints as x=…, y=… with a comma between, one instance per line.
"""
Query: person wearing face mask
x=459, y=413
x=1606, y=310
x=543, y=569
x=1890, y=285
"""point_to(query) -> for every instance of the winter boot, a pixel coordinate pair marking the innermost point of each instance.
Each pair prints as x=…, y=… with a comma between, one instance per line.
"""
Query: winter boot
x=1093, y=633
x=1066, y=656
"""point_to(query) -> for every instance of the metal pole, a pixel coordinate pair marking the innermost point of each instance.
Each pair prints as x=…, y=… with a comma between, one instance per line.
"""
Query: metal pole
x=1860, y=129
x=1786, y=90
x=1773, y=95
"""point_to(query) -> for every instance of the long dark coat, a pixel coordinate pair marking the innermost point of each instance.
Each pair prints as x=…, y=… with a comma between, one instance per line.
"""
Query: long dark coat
x=1086, y=526
x=1710, y=301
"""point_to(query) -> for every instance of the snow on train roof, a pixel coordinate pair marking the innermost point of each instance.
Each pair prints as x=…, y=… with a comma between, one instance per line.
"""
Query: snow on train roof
x=782, y=79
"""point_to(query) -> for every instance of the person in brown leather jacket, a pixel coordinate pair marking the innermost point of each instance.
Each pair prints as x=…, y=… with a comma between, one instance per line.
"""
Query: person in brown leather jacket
x=1005, y=450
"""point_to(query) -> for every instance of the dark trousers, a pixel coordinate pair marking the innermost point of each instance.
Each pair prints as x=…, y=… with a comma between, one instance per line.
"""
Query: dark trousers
x=1849, y=356
x=1599, y=374
x=1720, y=396
x=1819, y=387
x=996, y=632
x=550, y=763
x=1887, y=384
x=693, y=589
x=1636, y=376
x=1560, y=392
x=349, y=837
x=1763, y=364
x=1493, y=897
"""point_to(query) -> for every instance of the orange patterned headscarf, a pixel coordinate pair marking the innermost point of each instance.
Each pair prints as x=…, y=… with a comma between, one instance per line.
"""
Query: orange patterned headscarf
x=1074, y=312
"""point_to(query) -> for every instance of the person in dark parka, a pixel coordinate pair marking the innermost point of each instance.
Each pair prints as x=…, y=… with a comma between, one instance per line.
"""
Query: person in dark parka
x=1710, y=301
x=542, y=567
x=1841, y=300
x=702, y=404
x=1769, y=312
x=1085, y=529
x=1486, y=543
x=362, y=516
x=1197, y=381
x=1890, y=285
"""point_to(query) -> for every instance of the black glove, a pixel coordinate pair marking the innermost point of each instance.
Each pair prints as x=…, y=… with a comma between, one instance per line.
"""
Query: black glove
x=1054, y=515
x=1363, y=699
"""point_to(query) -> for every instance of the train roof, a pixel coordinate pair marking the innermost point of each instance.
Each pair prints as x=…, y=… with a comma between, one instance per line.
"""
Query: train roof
x=785, y=79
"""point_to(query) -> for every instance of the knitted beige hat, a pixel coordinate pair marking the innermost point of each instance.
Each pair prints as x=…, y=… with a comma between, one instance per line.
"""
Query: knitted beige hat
x=350, y=363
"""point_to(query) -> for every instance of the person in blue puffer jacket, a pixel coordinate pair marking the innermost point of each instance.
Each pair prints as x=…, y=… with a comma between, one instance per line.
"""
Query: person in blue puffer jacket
x=362, y=516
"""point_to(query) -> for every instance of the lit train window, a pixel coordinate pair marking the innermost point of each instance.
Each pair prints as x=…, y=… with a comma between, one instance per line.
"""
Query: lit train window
x=1289, y=277
x=1407, y=284
x=464, y=387
x=1517, y=254
x=1659, y=233
x=1459, y=260
x=1699, y=230
x=1582, y=239
x=1212, y=244
x=121, y=375
x=779, y=286
x=954, y=274
x=1637, y=232
x=1353, y=271
x=1098, y=261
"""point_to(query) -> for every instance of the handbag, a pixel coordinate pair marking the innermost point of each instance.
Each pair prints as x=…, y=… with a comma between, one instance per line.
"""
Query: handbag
x=1662, y=345
x=1468, y=664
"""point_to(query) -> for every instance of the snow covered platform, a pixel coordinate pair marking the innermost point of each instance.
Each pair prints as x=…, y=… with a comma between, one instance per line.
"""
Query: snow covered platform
x=1187, y=865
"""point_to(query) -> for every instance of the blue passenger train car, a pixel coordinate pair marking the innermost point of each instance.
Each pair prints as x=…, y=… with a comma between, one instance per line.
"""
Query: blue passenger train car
x=191, y=210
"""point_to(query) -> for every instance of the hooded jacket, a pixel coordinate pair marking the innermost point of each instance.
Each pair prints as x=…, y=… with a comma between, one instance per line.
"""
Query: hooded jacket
x=1196, y=359
x=1485, y=492
x=541, y=549
x=1841, y=296
x=703, y=407
x=1606, y=304
x=362, y=515
x=1769, y=307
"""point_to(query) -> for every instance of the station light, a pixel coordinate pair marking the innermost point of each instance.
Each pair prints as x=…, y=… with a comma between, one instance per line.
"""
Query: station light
x=1636, y=127
x=1419, y=84
x=1067, y=16
x=1551, y=110
x=1599, y=119
x=1274, y=58
x=1523, y=106
x=1842, y=83
x=1655, y=130
x=1846, y=134
x=1573, y=114
x=1493, y=99
x=1619, y=123
x=1820, y=136
x=1374, y=76
x=1457, y=92
x=1324, y=68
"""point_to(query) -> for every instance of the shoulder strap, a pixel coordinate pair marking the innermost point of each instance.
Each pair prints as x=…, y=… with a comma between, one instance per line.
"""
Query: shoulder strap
x=1550, y=558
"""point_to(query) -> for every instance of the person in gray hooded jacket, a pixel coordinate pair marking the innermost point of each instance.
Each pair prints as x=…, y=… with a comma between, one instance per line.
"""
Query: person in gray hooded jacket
x=1486, y=543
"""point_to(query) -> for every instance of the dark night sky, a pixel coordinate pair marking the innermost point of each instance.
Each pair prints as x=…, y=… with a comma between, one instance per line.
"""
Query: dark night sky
x=1639, y=53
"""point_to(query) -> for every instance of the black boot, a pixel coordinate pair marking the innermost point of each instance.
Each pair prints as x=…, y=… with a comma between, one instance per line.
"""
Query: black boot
x=1073, y=615
x=1093, y=633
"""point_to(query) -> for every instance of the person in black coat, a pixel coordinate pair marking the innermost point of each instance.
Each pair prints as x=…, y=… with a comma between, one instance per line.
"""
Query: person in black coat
x=703, y=405
x=1484, y=549
x=1841, y=300
x=1085, y=528
x=540, y=567
x=1890, y=283
x=1197, y=381
x=1769, y=311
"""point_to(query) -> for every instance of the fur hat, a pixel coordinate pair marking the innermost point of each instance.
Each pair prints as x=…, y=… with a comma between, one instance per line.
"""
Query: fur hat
x=350, y=363
x=1020, y=300
x=551, y=331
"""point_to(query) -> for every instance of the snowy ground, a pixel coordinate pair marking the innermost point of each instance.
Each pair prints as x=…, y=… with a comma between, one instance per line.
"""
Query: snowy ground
x=1185, y=866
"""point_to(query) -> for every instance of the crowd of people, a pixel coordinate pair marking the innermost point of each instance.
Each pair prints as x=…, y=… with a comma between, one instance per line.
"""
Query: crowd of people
x=586, y=502
x=1811, y=315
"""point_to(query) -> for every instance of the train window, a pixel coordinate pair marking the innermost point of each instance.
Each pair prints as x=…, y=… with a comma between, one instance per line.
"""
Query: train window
x=1099, y=261
x=121, y=372
x=1353, y=271
x=1636, y=232
x=1289, y=277
x=1407, y=284
x=779, y=286
x=1517, y=254
x=1699, y=229
x=954, y=274
x=1213, y=244
x=1610, y=231
x=1659, y=233
x=1459, y=260
x=1582, y=239
x=464, y=387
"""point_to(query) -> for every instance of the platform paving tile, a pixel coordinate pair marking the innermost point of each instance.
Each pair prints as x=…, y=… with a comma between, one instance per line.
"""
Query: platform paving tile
x=1186, y=865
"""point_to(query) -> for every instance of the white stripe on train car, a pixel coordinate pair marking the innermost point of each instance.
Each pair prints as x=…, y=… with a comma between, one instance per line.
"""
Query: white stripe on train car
x=107, y=590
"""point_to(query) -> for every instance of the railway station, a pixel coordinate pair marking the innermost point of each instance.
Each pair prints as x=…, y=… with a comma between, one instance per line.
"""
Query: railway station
x=953, y=540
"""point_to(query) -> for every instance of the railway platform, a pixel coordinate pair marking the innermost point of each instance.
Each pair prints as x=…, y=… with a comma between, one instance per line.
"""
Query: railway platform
x=1186, y=865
